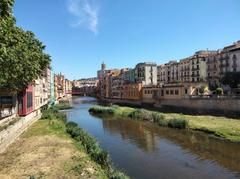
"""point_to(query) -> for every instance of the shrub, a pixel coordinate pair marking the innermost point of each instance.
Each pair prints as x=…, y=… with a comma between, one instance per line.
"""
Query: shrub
x=89, y=143
x=115, y=174
x=71, y=124
x=219, y=91
x=178, y=123
x=61, y=116
x=52, y=113
x=102, y=157
x=159, y=119
x=142, y=114
x=47, y=114
x=62, y=106
x=103, y=110
x=136, y=114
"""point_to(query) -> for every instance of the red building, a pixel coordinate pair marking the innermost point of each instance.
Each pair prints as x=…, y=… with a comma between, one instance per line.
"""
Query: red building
x=26, y=101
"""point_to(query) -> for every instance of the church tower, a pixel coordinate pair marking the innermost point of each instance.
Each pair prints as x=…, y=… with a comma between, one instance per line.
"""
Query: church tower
x=103, y=66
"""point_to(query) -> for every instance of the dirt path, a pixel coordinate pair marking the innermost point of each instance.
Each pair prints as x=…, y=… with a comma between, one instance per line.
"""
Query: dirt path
x=45, y=151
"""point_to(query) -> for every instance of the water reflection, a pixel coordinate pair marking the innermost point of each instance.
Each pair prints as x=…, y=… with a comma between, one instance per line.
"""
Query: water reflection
x=145, y=150
x=134, y=131
x=146, y=136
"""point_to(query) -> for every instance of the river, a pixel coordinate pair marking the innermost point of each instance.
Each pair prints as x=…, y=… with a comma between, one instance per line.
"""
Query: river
x=144, y=150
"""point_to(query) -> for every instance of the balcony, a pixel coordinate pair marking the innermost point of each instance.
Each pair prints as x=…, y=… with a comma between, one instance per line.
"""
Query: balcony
x=224, y=65
x=195, y=75
x=195, y=68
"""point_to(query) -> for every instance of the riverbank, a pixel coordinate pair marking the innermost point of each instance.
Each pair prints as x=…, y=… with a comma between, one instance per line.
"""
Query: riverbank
x=46, y=150
x=221, y=127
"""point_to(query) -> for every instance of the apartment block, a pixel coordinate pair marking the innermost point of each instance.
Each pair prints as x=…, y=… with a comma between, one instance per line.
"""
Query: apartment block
x=225, y=60
x=184, y=67
x=146, y=73
x=198, y=66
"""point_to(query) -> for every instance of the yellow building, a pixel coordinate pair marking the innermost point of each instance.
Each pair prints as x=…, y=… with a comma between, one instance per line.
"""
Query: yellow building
x=150, y=94
x=180, y=90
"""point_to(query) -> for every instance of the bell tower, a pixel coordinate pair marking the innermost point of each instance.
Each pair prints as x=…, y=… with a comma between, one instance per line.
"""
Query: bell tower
x=103, y=66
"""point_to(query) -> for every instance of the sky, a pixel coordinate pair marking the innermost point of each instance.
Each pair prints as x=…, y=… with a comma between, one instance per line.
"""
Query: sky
x=81, y=34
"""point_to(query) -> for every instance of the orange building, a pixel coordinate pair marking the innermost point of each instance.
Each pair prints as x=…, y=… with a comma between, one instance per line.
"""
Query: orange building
x=132, y=91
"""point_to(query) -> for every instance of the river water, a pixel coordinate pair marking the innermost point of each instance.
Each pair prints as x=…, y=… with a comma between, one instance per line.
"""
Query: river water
x=144, y=150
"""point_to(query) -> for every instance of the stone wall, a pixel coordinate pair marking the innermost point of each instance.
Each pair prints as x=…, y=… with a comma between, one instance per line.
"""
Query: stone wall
x=217, y=106
x=202, y=106
x=10, y=134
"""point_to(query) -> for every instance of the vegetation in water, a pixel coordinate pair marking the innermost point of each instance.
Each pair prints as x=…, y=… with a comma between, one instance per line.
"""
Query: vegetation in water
x=141, y=114
x=222, y=127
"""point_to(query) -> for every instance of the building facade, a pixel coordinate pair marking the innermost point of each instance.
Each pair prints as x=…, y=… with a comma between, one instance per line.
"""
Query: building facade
x=59, y=86
x=225, y=60
x=146, y=73
x=132, y=91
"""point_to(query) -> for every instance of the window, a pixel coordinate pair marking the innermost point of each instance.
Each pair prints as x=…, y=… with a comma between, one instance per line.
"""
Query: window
x=171, y=92
x=176, y=92
x=162, y=93
x=186, y=91
x=29, y=99
x=167, y=91
x=6, y=100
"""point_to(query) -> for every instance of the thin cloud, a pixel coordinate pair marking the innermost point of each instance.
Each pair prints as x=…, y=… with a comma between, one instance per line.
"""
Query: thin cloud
x=86, y=14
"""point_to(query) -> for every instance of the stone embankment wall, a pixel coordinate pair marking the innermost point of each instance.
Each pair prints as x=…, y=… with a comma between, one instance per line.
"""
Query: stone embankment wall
x=10, y=134
x=216, y=106
x=227, y=107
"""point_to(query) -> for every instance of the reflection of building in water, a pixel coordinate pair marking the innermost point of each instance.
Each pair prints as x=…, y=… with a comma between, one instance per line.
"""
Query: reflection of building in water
x=202, y=146
x=134, y=131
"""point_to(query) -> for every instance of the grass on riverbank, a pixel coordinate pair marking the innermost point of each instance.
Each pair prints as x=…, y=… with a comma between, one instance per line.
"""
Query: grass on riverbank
x=222, y=127
x=46, y=150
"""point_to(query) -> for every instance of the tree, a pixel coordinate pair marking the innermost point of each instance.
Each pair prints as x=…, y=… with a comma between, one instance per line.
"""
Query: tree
x=203, y=89
x=232, y=79
x=22, y=57
x=6, y=8
x=219, y=91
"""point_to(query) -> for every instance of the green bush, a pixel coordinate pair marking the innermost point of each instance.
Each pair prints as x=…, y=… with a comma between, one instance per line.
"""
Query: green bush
x=61, y=116
x=47, y=114
x=142, y=114
x=51, y=114
x=102, y=157
x=103, y=110
x=178, y=123
x=219, y=91
x=137, y=114
x=159, y=119
x=62, y=106
x=71, y=124
x=115, y=174
x=89, y=143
